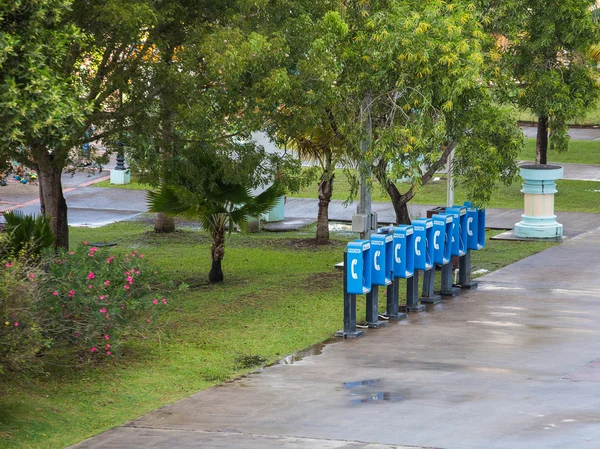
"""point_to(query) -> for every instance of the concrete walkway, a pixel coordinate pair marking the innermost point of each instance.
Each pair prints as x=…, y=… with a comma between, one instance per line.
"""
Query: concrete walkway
x=575, y=133
x=512, y=365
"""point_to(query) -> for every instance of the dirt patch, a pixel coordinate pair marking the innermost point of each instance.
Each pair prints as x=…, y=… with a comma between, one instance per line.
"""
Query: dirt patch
x=311, y=244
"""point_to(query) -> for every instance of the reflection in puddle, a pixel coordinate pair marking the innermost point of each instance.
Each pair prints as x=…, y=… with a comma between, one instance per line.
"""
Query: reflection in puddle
x=377, y=397
x=360, y=383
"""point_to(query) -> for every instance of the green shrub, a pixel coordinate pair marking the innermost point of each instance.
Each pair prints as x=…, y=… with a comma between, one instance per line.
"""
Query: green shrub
x=21, y=336
x=26, y=234
x=94, y=300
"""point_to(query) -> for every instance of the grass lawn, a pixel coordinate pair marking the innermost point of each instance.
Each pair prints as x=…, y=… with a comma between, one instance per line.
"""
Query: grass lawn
x=133, y=185
x=280, y=295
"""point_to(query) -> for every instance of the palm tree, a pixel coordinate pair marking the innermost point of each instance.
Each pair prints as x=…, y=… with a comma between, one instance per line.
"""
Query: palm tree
x=217, y=203
x=321, y=145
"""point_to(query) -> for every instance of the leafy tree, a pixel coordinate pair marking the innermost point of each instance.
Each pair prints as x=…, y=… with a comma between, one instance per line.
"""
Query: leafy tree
x=546, y=56
x=65, y=66
x=198, y=187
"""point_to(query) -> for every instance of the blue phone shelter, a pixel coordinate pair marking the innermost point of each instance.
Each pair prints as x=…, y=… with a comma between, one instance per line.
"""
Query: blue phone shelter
x=442, y=238
x=423, y=243
x=459, y=229
x=358, y=269
x=382, y=266
x=403, y=253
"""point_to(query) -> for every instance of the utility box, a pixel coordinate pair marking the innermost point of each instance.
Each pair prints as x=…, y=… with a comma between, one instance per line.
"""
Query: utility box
x=381, y=250
x=423, y=243
x=442, y=238
x=358, y=269
x=404, y=254
x=459, y=229
x=360, y=223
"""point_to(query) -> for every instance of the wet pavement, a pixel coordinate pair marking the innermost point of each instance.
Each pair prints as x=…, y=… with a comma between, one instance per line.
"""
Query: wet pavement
x=514, y=364
x=592, y=133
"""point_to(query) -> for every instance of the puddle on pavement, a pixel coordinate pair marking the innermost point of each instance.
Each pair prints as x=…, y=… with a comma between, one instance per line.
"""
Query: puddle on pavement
x=377, y=397
x=301, y=355
x=360, y=383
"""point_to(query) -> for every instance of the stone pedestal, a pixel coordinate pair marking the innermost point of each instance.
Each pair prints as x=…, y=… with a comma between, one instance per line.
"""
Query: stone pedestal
x=120, y=176
x=539, y=187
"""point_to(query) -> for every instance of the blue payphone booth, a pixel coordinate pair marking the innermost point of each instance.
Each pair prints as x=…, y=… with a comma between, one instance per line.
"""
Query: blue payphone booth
x=381, y=269
x=459, y=229
x=358, y=268
x=475, y=227
x=382, y=266
x=404, y=254
x=442, y=238
x=357, y=281
x=423, y=247
x=475, y=241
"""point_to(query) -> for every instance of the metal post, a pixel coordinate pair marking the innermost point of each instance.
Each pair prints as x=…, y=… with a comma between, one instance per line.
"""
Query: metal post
x=429, y=296
x=392, y=302
x=464, y=273
x=349, y=310
x=450, y=185
x=447, y=288
x=412, y=295
x=373, y=309
x=364, y=206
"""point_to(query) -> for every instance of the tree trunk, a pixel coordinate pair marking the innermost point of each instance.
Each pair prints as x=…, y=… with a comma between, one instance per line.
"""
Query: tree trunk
x=52, y=200
x=164, y=223
x=541, y=143
x=217, y=251
x=399, y=201
x=325, y=192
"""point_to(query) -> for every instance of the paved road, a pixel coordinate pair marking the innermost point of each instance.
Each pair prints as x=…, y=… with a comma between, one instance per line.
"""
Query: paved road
x=575, y=133
x=512, y=365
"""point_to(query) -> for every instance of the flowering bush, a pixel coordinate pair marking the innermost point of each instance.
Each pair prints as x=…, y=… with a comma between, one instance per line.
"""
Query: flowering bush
x=21, y=337
x=94, y=299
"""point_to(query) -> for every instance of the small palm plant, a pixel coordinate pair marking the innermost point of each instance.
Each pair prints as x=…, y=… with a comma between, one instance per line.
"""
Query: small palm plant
x=26, y=234
x=217, y=204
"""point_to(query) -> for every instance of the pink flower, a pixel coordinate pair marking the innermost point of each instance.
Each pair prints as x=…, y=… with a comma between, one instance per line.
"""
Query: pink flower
x=102, y=310
x=31, y=276
x=129, y=279
x=8, y=265
x=108, y=352
x=55, y=293
x=107, y=346
x=91, y=275
x=107, y=337
x=90, y=286
x=155, y=301
x=141, y=256
x=137, y=272
x=126, y=287
x=110, y=259
x=71, y=252
x=94, y=349
x=122, y=307
x=102, y=297
x=85, y=242
x=16, y=324
x=148, y=320
x=77, y=335
x=164, y=300
x=71, y=293
x=67, y=316
x=107, y=283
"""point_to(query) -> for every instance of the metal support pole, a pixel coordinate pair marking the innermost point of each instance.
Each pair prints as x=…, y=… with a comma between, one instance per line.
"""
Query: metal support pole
x=373, y=309
x=429, y=297
x=412, y=295
x=364, y=206
x=392, y=302
x=464, y=274
x=349, y=330
x=447, y=288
